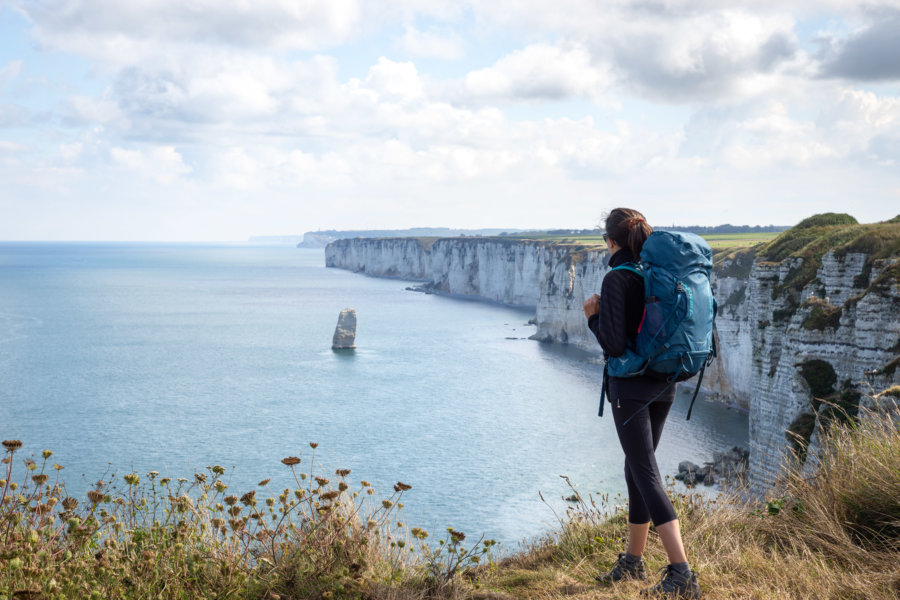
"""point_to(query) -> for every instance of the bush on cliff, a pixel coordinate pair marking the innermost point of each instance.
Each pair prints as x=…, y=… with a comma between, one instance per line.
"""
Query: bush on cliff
x=833, y=533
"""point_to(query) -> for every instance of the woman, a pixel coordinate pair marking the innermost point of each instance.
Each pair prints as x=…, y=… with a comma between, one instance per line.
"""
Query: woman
x=614, y=316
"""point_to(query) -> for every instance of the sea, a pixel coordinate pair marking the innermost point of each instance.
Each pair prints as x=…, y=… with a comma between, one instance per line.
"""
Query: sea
x=132, y=357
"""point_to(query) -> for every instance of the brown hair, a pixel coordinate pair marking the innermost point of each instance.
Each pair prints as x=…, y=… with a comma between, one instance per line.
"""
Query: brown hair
x=628, y=228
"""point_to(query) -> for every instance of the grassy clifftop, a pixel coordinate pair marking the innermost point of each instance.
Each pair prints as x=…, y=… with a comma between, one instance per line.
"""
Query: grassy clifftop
x=834, y=534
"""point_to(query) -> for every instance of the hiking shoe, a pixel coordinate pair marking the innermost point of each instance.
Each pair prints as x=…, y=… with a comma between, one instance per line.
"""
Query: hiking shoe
x=623, y=570
x=674, y=585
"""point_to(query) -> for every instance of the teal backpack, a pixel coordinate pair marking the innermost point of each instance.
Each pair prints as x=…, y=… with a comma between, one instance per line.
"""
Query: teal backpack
x=676, y=336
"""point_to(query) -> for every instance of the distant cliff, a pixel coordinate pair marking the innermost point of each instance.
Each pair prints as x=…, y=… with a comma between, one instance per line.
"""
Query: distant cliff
x=814, y=314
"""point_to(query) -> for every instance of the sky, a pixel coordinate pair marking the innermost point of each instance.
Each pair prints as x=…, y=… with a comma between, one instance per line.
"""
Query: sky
x=223, y=119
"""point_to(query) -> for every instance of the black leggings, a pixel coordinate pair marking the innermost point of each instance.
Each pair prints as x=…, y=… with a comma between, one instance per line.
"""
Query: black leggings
x=647, y=499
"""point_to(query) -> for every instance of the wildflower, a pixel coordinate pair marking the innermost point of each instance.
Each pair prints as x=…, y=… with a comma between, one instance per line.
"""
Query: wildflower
x=418, y=533
x=95, y=496
x=264, y=482
x=40, y=479
x=132, y=479
x=12, y=445
x=321, y=481
x=387, y=503
x=58, y=467
x=218, y=470
x=43, y=509
x=370, y=491
x=313, y=445
x=456, y=536
x=329, y=496
x=231, y=500
x=342, y=486
x=235, y=511
x=220, y=487
x=153, y=474
x=249, y=498
x=47, y=454
x=342, y=472
x=30, y=464
x=236, y=524
x=70, y=503
x=200, y=477
x=401, y=487
x=290, y=460
x=270, y=501
x=217, y=523
x=365, y=483
x=165, y=480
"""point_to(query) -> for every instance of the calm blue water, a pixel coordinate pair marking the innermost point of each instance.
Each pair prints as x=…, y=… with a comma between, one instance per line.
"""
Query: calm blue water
x=173, y=357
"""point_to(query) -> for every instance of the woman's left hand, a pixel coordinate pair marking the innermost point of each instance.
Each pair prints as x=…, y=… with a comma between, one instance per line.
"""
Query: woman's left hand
x=592, y=306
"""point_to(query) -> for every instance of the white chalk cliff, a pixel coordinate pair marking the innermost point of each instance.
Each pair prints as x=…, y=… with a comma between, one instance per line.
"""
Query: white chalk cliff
x=766, y=335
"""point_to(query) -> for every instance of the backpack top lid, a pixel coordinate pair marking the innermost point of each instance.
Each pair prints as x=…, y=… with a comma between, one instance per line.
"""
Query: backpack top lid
x=676, y=251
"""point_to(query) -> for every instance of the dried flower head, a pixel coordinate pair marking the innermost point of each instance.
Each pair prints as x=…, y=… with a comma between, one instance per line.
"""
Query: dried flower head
x=291, y=460
x=313, y=445
x=231, y=500
x=387, y=503
x=419, y=534
x=342, y=472
x=249, y=498
x=264, y=482
x=343, y=486
x=218, y=470
x=58, y=467
x=235, y=511
x=70, y=503
x=95, y=496
x=200, y=477
x=220, y=487
x=217, y=523
x=401, y=487
x=456, y=536
x=321, y=481
x=47, y=454
x=12, y=445
x=43, y=509
x=40, y=479
x=132, y=479
x=328, y=496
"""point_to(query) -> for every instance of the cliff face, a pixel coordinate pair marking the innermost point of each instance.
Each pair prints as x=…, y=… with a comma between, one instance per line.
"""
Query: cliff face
x=790, y=330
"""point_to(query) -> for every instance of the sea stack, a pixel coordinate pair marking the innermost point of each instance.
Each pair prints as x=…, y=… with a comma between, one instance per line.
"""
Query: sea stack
x=345, y=332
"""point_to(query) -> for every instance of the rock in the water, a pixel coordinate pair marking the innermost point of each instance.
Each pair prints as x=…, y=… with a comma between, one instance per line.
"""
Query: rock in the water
x=345, y=332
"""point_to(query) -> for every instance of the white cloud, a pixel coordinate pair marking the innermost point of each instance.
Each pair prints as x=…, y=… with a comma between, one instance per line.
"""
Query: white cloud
x=540, y=72
x=126, y=32
x=395, y=81
x=162, y=163
x=433, y=43
x=10, y=71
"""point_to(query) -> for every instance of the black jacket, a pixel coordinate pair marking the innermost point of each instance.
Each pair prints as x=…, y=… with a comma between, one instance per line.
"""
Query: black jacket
x=621, y=307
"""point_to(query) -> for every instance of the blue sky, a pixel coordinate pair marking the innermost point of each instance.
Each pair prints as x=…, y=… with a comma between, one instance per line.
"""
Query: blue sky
x=211, y=120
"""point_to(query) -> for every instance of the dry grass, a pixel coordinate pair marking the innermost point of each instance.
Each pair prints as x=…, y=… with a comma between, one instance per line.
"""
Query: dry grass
x=833, y=534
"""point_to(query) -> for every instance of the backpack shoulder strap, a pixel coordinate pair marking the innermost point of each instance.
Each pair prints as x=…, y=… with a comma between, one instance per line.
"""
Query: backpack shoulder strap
x=630, y=266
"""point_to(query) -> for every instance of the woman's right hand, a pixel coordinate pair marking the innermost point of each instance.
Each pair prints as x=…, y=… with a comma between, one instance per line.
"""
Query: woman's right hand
x=592, y=306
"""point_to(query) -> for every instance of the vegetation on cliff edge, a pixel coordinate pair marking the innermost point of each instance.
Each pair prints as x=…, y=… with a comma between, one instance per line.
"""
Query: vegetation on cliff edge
x=831, y=534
